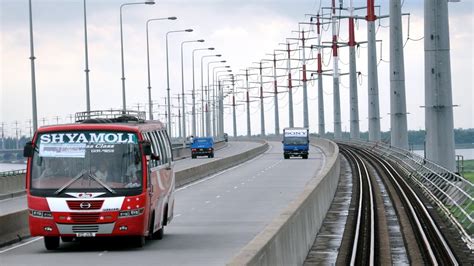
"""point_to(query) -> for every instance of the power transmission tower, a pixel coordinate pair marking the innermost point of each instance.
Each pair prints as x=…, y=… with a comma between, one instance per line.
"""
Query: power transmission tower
x=275, y=92
x=438, y=91
x=303, y=46
x=261, y=96
x=16, y=133
x=290, y=81
x=319, y=71
x=247, y=101
x=398, y=109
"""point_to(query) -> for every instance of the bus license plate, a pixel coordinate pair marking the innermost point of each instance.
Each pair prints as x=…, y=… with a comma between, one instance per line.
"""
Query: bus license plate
x=87, y=234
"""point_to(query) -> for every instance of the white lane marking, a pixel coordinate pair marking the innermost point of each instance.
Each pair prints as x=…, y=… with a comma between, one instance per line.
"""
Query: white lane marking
x=225, y=171
x=243, y=183
x=177, y=215
x=235, y=187
x=207, y=202
x=20, y=245
x=218, y=196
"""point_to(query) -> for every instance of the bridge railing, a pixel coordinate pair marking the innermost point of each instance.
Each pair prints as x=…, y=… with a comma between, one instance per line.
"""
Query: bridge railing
x=450, y=192
x=13, y=172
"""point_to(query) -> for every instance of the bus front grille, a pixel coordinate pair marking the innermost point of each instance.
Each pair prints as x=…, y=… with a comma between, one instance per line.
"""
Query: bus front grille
x=85, y=228
x=85, y=218
x=85, y=204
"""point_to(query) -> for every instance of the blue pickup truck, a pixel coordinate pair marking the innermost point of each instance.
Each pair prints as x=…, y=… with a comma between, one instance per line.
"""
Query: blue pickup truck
x=295, y=142
x=202, y=147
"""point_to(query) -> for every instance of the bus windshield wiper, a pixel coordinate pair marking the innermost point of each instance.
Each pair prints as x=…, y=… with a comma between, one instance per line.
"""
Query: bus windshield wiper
x=77, y=177
x=91, y=175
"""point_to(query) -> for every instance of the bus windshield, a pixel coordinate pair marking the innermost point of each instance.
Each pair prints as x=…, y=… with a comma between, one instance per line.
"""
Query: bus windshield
x=86, y=161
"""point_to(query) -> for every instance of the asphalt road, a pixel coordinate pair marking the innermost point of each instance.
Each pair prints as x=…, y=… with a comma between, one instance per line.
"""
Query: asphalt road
x=214, y=218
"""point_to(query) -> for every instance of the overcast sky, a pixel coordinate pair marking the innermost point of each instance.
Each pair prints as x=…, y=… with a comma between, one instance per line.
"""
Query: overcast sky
x=242, y=31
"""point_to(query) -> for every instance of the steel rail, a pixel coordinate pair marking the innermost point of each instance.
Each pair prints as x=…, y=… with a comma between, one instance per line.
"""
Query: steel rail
x=451, y=193
x=356, y=249
x=428, y=242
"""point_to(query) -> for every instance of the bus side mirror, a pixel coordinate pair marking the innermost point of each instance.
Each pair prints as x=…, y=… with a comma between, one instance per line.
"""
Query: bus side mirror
x=146, y=146
x=29, y=149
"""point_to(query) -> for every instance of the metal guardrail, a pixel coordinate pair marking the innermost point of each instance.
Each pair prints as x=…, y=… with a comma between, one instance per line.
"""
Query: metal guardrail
x=13, y=172
x=450, y=192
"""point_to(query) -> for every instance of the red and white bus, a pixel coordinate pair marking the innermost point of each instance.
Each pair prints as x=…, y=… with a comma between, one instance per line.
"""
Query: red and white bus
x=99, y=177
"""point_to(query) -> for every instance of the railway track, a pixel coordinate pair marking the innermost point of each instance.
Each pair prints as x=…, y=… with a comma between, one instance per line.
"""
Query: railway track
x=363, y=245
x=423, y=239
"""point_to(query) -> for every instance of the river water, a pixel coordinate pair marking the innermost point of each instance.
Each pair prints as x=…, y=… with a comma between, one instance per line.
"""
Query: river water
x=468, y=154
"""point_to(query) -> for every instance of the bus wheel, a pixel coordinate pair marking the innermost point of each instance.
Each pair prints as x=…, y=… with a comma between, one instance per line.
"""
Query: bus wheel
x=286, y=156
x=140, y=241
x=305, y=156
x=159, y=234
x=51, y=242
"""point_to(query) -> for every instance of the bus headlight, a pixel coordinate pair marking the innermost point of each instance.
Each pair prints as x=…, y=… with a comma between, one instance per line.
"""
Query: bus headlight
x=131, y=213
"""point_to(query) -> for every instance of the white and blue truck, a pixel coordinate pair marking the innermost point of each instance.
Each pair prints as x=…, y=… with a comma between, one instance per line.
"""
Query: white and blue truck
x=295, y=142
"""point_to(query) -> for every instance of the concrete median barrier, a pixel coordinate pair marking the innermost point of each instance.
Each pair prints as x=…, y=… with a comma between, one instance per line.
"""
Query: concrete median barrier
x=12, y=186
x=14, y=226
x=288, y=238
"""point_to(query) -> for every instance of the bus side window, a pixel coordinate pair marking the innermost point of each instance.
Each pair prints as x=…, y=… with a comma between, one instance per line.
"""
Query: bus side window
x=157, y=144
x=162, y=147
x=146, y=136
x=167, y=142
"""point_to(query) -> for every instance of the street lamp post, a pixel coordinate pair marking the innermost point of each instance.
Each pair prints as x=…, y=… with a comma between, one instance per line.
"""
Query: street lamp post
x=150, y=107
x=33, y=76
x=216, y=115
x=182, y=85
x=88, y=99
x=202, y=92
x=214, y=82
x=168, y=76
x=208, y=130
x=194, y=91
x=121, y=48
